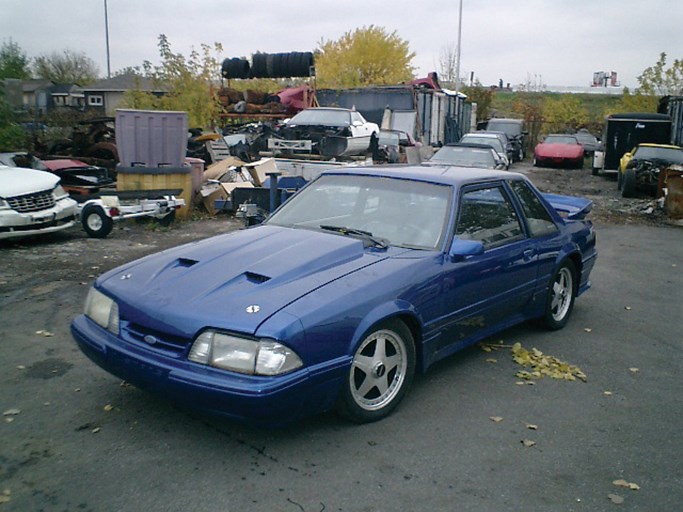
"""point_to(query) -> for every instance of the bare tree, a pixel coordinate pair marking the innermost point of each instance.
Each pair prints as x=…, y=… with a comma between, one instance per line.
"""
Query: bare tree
x=448, y=63
x=66, y=67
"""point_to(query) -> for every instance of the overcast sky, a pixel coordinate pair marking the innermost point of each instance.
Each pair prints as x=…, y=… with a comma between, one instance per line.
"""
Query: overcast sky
x=557, y=42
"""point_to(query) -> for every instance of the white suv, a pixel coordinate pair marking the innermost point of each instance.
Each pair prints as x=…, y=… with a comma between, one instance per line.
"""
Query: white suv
x=33, y=202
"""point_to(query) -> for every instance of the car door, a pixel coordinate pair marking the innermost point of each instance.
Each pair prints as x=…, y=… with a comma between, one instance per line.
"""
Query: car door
x=484, y=291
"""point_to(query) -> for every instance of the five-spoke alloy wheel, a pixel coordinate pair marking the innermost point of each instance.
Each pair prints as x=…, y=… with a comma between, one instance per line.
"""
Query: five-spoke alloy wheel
x=381, y=371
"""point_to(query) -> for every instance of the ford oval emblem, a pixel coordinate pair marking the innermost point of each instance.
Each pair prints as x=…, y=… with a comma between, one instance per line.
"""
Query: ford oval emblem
x=150, y=339
x=253, y=309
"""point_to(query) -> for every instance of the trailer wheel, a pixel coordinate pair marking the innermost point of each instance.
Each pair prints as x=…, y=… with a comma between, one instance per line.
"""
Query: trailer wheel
x=167, y=219
x=95, y=222
x=628, y=184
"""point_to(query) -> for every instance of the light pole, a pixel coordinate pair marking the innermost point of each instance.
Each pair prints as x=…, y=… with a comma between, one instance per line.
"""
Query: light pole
x=457, y=55
x=106, y=33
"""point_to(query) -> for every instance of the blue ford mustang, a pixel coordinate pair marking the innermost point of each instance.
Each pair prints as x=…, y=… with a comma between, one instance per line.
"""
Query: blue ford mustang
x=362, y=278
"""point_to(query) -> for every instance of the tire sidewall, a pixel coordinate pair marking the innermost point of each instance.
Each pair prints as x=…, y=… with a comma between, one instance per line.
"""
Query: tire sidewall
x=107, y=222
x=550, y=322
x=347, y=405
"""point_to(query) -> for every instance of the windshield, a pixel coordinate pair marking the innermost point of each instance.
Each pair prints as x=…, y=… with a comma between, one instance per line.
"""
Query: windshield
x=560, y=139
x=401, y=212
x=669, y=154
x=494, y=142
x=464, y=157
x=511, y=128
x=322, y=116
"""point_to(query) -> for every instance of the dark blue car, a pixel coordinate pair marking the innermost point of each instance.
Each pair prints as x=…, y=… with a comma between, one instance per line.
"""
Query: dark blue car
x=362, y=278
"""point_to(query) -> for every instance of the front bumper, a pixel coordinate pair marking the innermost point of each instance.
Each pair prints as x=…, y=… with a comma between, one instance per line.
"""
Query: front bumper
x=266, y=401
x=15, y=225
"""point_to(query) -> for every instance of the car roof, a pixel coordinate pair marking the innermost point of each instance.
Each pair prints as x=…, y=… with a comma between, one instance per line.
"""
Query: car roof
x=472, y=145
x=663, y=146
x=441, y=174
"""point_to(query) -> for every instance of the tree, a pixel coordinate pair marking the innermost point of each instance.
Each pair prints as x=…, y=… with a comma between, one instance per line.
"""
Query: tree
x=448, y=58
x=13, y=62
x=366, y=56
x=188, y=84
x=482, y=96
x=67, y=67
x=636, y=102
x=564, y=114
x=12, y=136
x=660, y=81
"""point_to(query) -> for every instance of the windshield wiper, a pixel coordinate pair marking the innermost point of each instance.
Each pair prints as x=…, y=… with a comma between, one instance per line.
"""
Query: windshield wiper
x=365, y=235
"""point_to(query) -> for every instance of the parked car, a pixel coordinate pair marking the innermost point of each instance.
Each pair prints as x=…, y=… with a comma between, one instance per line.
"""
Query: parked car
x=331, y=132
x=362, y=278
x=488, y=139
x=590, y=142
x=516, y=132
x=33, y=202
x=79, y=179
x=467, y=155
x=560, y=151
x=507, y=143
x=640, y=167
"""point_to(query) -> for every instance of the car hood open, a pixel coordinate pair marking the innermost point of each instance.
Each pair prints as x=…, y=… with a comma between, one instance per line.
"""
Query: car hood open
x=215, y=282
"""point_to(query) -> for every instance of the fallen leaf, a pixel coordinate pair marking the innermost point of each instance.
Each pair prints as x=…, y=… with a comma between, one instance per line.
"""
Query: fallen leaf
x=496, y=419
x=11, y=412
x=628, y=308
x=492, y=361
x=9, y=419
x=108, y=407
x=21, y=367
x=633, y=370
x=607, y=393
x=531, y=426
x=626, y=485
x=95, y=430
x=616, y=499
x=588, y=329
x=520, y=383
x=528, y=443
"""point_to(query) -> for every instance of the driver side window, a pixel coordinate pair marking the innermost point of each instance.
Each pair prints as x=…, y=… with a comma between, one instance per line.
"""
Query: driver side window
x=487, y=215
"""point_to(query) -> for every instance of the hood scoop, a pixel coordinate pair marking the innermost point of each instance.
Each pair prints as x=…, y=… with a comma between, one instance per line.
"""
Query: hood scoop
x=252, y=277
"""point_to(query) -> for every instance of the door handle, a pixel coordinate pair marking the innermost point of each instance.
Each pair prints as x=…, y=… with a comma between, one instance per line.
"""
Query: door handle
x=528, y=254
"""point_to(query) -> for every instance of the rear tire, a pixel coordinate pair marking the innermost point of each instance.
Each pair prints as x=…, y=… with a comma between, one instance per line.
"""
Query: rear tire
x=561, y=295
x=628, y=184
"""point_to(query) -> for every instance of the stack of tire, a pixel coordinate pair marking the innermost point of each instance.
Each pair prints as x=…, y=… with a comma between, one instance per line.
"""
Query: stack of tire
x=270, y=65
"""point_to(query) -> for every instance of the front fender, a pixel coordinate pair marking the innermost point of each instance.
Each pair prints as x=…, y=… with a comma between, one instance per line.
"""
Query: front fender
x=379, y=314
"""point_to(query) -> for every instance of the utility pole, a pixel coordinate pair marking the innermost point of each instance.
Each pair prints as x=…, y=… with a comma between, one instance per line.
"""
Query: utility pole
x=457, y=58
x=106, y=33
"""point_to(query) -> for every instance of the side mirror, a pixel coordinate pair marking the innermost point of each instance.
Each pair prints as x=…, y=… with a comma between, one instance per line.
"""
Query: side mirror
x=462, y=249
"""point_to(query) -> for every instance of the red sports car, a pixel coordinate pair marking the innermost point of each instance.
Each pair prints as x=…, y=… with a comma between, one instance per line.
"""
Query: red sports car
x=559, y=150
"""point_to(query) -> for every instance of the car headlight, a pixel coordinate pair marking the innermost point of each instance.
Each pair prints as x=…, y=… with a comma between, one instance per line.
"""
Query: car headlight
x=243, y=355
x=102, y=310
x=4, y=205
x=60, y=193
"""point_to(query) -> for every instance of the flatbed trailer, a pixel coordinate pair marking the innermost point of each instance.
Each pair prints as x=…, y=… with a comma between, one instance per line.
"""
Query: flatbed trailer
x=99, y=213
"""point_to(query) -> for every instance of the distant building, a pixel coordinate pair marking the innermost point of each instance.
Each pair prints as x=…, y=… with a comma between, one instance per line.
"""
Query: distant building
x=106, y=95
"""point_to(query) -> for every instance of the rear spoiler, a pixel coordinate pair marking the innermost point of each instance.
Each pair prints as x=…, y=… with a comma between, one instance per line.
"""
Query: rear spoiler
x=570, y=207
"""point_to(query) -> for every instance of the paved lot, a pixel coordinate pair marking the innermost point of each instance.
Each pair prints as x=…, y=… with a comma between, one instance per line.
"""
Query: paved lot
x=78, y=440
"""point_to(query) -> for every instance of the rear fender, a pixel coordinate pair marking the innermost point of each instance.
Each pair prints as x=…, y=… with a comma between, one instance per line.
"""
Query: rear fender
x=570, y=207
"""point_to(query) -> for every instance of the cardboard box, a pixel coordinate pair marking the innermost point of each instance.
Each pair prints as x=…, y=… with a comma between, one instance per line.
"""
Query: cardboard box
x=219, y=191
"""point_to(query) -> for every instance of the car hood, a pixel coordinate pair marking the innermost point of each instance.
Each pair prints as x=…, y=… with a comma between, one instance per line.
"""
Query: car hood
x=559, y=150
x=214, y=282
x=18, y=182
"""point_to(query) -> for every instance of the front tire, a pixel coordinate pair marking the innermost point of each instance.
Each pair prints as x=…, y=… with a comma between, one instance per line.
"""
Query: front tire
x=380, y=374
x=95, y=222
x=628, y=183
x=561, y=295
